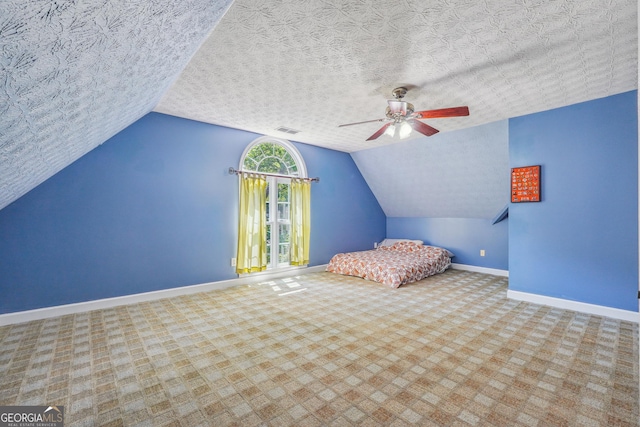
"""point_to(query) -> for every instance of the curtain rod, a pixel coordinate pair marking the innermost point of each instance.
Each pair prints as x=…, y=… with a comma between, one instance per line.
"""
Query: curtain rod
x=234, y=171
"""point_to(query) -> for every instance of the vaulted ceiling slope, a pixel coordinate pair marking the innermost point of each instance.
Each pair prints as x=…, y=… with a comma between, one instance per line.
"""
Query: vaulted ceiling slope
x=458, y=174
x=74, y=73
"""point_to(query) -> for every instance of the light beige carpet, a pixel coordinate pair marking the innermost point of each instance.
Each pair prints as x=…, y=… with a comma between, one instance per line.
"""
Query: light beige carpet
x=328, y=350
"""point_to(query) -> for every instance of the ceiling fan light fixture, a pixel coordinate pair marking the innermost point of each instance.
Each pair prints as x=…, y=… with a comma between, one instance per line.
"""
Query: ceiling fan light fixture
x=390, y=131
x=405, y=130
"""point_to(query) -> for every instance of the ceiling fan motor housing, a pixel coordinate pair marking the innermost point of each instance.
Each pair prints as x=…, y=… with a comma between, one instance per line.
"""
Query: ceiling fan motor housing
x=398, y=110
x=399, y=92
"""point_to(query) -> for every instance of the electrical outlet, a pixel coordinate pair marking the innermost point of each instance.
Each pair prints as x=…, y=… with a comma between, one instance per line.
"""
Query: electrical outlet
x=233, y=262
x=482, y=253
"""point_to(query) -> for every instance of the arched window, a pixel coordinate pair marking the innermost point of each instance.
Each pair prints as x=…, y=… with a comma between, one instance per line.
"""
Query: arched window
x=273, y=155
x=276, y=156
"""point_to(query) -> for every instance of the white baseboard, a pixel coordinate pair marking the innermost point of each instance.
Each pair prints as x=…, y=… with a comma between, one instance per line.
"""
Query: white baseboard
x=61, y=310
x=583, y=307
x=475, y=269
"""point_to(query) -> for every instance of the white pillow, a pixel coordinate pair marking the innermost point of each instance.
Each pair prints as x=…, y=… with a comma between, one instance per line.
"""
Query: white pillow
x=390, y=242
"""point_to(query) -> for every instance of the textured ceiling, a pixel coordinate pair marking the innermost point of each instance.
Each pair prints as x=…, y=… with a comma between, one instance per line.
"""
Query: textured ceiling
x=74, y=73
x=312, y=65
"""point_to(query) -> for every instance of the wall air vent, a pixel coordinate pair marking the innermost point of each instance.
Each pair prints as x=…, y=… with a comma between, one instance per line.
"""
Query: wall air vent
x=287, y=130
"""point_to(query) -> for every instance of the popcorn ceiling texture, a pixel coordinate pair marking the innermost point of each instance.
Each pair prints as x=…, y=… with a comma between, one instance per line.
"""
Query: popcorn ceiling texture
x=314, y=65
x=74, y=73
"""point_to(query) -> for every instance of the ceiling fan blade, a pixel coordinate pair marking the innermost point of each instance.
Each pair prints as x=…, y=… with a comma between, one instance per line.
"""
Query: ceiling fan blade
x=359, y=123
x=443, y=112
x=381, y=131
x=423, y=128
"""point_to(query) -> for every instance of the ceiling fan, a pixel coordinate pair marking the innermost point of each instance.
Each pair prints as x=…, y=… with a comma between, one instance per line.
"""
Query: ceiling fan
x=401, y=116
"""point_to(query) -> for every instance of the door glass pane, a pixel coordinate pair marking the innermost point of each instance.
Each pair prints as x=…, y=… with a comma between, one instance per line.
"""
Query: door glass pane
x=283, y=255
x=283, y=211
x=283, y=247
x=284, y=234
x=283, y=202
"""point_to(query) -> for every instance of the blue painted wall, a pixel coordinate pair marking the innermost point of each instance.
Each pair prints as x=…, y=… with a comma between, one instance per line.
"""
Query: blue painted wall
x=581, y=242
x=462, y=236
x=345, y=214
x=154, y=208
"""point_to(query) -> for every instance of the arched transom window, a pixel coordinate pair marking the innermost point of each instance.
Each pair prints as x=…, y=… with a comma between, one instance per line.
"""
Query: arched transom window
x=271, y=155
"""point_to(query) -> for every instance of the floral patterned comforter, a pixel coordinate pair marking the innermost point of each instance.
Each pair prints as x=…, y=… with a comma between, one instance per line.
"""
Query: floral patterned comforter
x=403, y=262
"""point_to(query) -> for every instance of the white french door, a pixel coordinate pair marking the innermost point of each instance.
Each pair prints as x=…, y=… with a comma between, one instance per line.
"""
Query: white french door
x=278, y=222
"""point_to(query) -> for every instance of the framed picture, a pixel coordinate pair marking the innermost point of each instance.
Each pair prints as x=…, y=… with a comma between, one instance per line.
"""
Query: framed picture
x=525, y=184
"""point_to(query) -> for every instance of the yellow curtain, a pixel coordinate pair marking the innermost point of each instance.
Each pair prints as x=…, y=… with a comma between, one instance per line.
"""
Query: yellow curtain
x=252, y=230
x=300, y=221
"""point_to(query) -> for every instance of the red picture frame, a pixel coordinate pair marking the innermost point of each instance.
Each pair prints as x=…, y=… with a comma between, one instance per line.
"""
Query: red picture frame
x=525, y=184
